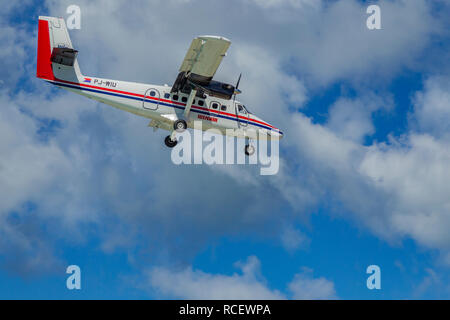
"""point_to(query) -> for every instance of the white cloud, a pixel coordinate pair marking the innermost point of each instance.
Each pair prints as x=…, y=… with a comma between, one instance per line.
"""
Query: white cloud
x=305, y=287
x=430, y=280
x=248, y=285
x=193, y=284
x=13, y=52
x=395, y=189
x=432, y=108
x=351, y=119
x=287, y=3
x=293, y=239
x=413, y=175
x=331, y=41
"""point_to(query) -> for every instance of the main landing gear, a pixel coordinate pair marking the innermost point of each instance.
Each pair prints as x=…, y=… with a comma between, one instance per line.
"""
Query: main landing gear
x=178, y=126
x=249, y=150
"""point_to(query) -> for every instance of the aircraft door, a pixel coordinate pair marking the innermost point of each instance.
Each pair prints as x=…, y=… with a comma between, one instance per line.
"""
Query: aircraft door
x=242, y=114
x=151, y=99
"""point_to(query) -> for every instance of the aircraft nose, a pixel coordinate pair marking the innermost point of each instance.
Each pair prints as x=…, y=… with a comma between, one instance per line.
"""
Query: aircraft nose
x=277, y=134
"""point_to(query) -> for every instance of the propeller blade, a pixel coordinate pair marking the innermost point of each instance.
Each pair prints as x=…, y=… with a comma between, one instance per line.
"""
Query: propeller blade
x=236, y=90
x=239, y=80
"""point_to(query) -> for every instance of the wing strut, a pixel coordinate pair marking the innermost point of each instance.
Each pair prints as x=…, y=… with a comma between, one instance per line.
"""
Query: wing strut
x=187, y=110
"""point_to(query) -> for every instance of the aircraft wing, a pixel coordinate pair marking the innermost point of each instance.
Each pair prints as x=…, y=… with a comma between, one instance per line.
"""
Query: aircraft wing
x=200, y=65
x=205, y=55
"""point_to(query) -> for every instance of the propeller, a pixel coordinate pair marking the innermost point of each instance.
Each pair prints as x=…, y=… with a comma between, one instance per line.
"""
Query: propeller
x=236, y=88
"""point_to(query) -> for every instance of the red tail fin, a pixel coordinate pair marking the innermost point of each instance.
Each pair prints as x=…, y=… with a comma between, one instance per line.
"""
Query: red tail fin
x=44, y=64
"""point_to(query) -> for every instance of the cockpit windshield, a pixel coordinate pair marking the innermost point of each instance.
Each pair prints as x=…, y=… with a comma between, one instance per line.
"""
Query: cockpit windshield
x=247, y=109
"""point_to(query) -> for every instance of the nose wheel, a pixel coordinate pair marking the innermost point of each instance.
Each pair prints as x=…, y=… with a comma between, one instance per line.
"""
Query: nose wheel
x=178, y=126
x=170, y=142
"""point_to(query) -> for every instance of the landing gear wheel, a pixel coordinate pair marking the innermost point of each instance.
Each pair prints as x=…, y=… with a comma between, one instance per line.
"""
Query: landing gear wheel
x=169, y=142
x=179, y=125
x=249, y=150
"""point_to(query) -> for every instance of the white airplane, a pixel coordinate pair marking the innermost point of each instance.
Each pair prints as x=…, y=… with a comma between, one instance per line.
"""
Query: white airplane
x=193, y=97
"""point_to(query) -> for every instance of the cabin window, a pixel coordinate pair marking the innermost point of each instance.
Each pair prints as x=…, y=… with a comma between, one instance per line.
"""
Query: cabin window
x=175, y=97
x=184, y=99
x=152, y=93
x=223, y=108
x=201, y=103
x=215, y=105
x=166, y=95
x=240, y=108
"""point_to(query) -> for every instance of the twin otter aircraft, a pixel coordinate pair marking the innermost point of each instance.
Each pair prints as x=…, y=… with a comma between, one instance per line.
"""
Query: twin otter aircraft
x=193, y=97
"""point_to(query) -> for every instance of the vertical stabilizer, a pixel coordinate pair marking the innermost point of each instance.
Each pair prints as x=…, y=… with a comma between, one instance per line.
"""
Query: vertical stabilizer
x=56, y=57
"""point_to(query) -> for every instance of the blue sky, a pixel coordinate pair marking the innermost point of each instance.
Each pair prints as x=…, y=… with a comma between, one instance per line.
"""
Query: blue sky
x=365, y=159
